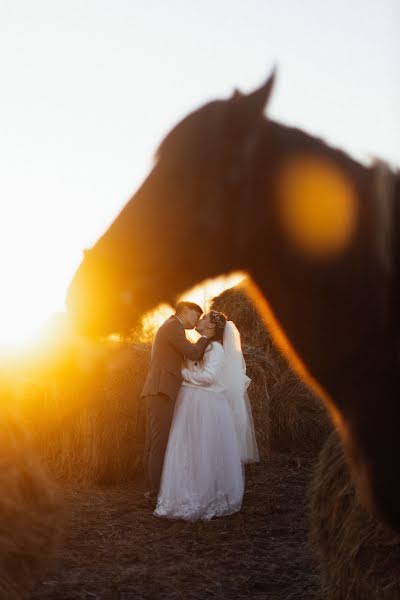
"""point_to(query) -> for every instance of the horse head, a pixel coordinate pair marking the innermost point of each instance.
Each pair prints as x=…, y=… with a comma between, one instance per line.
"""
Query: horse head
x=315, y=231
x=179, y=227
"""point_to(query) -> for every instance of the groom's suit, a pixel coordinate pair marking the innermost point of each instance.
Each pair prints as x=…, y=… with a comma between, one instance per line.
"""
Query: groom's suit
x=161, y=388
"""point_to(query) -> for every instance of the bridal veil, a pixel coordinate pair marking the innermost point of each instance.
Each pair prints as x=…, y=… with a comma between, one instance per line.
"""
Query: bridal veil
x=236, y=382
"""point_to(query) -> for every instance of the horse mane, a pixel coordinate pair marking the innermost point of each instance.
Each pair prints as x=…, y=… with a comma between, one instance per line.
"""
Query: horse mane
x=188, y=132
x=299, y=140
x=202, y=129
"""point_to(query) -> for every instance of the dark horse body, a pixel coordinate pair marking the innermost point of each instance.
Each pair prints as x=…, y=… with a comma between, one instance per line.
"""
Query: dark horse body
x=316, y=232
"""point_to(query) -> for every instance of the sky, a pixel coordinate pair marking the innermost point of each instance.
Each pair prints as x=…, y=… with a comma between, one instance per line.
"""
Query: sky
x=89, y=89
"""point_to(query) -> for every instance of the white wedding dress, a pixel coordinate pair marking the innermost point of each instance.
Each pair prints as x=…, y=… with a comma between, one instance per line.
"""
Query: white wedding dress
x=203, y=475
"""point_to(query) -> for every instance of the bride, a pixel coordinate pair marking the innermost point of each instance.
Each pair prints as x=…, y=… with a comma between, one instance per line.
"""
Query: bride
x=212, y=433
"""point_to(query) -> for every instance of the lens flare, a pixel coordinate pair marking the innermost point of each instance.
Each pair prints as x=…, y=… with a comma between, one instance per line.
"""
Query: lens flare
x=317, y=206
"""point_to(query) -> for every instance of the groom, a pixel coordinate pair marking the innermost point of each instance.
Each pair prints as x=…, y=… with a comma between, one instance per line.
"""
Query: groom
x=163, y=382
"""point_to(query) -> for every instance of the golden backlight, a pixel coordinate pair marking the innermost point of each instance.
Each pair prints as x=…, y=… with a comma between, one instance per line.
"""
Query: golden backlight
x=29, y=328
x=22, y=327
x=201, y=294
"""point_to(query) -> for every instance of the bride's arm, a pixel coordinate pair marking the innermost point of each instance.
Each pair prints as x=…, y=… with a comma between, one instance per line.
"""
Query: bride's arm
x=210, y=368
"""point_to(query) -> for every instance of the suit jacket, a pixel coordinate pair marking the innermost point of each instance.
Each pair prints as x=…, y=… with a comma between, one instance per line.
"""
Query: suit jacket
x=170, y=347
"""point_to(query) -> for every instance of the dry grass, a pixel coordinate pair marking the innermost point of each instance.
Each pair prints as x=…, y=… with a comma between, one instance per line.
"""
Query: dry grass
x=88, y=424
x=235, y=303
x=115, y=549
x=257, y=363
x=30, y=513
x=298, y=419
x=359, y=557
x=90, y=428
x=93, y=431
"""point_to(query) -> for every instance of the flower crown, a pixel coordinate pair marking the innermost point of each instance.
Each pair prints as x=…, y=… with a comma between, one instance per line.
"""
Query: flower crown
x=218, y=319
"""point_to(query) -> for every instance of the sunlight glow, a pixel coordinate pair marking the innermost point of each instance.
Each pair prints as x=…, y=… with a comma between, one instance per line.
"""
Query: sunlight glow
x=22, y=321
x=22, y=333
x=201, y=294
x=34, y=284
x=204, y=293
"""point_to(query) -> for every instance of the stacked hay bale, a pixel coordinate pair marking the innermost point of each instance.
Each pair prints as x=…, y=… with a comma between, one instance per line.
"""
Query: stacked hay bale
x=359, y=557
x=89, y=426
x=257, y=369
x=126, y=373
x=236, y=305
x=30, y=513
x=297, y=420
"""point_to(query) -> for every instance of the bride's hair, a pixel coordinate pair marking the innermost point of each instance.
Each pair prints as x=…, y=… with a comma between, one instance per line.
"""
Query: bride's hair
x=219, y=320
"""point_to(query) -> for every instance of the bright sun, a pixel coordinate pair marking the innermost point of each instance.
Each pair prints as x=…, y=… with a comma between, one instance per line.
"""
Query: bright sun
x=29, y=305
x=34, y=284
x=22, y=319
x=38, y=260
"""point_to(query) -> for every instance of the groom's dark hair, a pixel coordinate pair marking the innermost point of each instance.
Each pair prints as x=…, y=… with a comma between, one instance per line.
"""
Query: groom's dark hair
x=190, y=305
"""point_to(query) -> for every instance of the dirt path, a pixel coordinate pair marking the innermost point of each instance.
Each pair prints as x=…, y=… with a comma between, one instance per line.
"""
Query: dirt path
x=115, y=549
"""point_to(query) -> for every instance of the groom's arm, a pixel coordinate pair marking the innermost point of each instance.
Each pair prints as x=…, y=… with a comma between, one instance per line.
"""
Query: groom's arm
x=178, y=339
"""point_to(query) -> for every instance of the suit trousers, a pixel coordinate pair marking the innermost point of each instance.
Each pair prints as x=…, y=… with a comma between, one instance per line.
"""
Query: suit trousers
x=159, y=414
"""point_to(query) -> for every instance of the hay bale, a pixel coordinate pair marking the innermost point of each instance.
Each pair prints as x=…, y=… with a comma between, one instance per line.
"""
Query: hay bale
x=257, y=363
x=359, y=557
x=30, y=515
x=122, y=389
x=96, y=430
x=298, y=421
x=236, y=304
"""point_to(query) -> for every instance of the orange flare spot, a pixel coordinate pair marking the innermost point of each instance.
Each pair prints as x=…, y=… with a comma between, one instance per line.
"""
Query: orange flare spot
x=318, y=206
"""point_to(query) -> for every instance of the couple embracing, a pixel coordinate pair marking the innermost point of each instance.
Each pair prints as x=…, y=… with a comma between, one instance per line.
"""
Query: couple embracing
x=199, y=429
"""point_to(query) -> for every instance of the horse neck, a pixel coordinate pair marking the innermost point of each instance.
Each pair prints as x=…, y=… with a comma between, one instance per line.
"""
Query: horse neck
x=396, y=228
x=397, y=190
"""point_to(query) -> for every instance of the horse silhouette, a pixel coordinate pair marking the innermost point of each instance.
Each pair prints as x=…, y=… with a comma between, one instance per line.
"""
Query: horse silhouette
x=317, y=234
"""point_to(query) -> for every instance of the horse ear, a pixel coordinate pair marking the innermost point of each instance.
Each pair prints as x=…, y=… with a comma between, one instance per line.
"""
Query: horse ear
x=258, y=100
x=237, y=94
x=246, y=109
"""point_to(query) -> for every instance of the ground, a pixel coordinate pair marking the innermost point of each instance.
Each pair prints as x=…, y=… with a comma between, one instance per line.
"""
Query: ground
x=114, y=549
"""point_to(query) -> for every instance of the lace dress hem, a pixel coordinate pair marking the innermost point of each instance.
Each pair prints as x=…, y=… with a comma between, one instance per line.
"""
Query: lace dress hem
x=194, y=512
